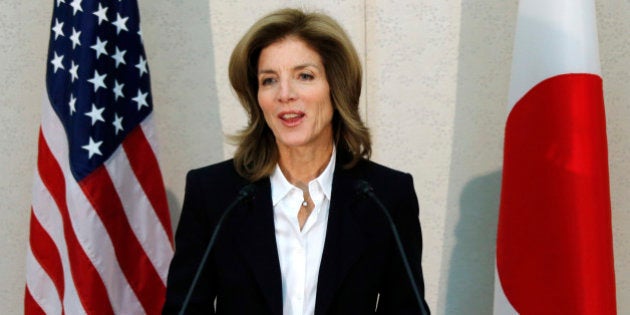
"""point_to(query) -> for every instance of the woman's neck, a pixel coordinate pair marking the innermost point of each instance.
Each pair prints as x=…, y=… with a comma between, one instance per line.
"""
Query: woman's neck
x=300, y=165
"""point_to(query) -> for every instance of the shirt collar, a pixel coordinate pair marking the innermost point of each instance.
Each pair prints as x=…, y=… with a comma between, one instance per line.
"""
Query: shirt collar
x=280, y=186
x=325, y=179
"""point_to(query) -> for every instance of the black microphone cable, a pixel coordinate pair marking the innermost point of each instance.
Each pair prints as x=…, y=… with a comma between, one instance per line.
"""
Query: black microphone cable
x=245, y=193
x=364, y=188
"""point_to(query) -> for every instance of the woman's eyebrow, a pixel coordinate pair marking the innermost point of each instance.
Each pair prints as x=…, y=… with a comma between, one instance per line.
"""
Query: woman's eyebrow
x=298, y=67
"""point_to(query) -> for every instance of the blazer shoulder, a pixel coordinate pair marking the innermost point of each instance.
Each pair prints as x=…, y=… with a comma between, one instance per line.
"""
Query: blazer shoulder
x=218, y=181
x=373, y=170
x=221, y=168
x=219, y=172
x=388, y=183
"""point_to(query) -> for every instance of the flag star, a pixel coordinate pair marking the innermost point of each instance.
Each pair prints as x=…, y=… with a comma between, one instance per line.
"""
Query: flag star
x=96, y=114
x=101, y=14
x=119, y=56
x=98, y=80
x=76, y=5
x=60, y=2
x=140, y=33
x=58, y=29
x=73, y=71
x=56, y=62
x=141, y=99
x=120, y=23
x=75, y=38
x=142, y=66
x=93, y=148
x=72, y=104
x=118, y=123
x=118, y=90
x=99, y=47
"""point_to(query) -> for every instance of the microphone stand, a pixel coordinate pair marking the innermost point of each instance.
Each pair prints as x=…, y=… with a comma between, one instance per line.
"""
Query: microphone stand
x=364, y=187
x=243, y=194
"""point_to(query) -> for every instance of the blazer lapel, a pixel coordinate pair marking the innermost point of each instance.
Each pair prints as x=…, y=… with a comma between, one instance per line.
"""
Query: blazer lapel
x=258, y=246
x=344, y=239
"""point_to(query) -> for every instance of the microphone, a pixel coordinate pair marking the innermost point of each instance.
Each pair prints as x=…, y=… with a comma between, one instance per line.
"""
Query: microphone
x=364, y=188
x=245, y=193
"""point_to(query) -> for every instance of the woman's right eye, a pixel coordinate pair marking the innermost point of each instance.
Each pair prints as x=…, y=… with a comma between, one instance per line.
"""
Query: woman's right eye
x=266, y=81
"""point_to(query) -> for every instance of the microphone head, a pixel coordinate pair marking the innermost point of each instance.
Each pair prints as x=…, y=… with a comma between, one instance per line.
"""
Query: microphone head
x=363, y=187
x=247, y=191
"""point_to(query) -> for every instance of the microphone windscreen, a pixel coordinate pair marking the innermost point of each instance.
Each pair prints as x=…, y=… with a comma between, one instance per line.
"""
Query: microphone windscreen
x=362, y=187
x=247, y=191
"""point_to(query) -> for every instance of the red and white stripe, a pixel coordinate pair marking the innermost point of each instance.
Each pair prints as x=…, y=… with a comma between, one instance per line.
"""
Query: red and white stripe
x=554, y=242
x=102, y=245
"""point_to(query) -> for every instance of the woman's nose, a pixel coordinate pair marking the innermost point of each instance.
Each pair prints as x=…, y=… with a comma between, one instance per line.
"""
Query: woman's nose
x=286, y=91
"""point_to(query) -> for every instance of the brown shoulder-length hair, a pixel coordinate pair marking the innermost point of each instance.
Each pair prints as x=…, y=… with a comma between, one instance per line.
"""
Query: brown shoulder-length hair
x=257, y=152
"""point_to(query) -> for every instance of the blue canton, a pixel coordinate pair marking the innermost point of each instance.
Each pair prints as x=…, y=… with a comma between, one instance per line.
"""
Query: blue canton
x=97, y=77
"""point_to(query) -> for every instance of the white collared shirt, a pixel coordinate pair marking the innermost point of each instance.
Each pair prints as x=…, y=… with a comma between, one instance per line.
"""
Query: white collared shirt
x=300, y=252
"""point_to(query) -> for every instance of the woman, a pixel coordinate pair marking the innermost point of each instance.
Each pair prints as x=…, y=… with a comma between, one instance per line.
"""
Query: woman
x=307, y=242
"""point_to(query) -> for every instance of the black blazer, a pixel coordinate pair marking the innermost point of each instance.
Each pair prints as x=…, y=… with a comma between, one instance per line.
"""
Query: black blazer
x=360, y=261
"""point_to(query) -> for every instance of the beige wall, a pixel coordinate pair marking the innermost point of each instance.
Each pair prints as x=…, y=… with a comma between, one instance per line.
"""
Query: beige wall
x=437, y=77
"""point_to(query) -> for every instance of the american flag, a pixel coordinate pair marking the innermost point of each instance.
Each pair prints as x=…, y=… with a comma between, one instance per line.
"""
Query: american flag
x=100, y=232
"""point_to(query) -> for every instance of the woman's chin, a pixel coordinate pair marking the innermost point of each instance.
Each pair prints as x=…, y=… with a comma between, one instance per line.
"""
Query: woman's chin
x=296, y=142
x=293, y=144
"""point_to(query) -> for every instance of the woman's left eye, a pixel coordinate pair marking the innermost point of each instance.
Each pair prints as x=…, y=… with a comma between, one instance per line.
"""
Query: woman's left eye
x=306, y=76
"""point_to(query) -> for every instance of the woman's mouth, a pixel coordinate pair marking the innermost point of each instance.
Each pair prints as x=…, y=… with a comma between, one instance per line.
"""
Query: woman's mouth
x=292, y=118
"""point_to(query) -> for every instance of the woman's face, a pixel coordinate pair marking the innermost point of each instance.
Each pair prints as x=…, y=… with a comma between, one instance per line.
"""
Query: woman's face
x=294, y=95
